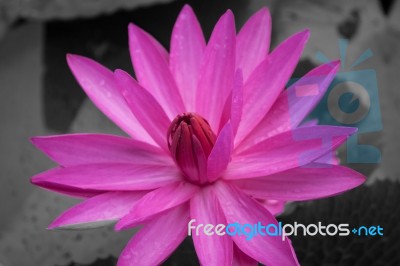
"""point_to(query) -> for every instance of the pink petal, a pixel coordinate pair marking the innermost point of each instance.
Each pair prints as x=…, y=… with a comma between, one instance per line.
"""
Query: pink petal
x=309, y=123
x=75, y=149
x=100, y=210
x=268, y=80
x=275, y=207
x=109, y=177
x=239, y=208
x=217, y=71
x=201, y=170
x=330, y=158
x=70, y=191
x=146, y=109
x=187, y=48
x=234, y=103
x=156, y=202
x=153, y=72
x=287, y=150
x=158, y=46
x=237, y=103
x=220, y=155
x=100, y=86
x=157, y=239
x=241, y=259
x=294, y=104
x=253, y=42
x=296, y=261
x=213, y=249
x=304, y=183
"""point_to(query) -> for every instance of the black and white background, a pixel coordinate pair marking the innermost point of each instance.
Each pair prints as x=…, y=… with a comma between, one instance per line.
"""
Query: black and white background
x=39, y=96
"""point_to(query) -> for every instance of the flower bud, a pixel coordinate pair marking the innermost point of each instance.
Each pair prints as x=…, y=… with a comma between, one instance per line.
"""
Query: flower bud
x=190, y=140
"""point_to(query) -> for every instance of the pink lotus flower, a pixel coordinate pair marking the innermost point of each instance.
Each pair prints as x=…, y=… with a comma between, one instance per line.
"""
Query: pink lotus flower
x=212, y=138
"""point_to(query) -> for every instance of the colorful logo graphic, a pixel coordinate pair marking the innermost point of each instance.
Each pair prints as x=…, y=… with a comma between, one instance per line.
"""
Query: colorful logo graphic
x=352, y=100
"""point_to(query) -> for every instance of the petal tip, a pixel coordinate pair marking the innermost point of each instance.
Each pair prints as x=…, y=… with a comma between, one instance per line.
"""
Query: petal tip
x=53, y=226
x=70, y=56
x=118, y=73
x=131, y=26
x=187, y=14
x=301, y=36
x=263, y=14
x=187, y=8
x=125, y=80
x=119, y=226
x=306, y=31
x=35, y=140
x=42, y=179
x=357, y=178
x=35, y=180
x=305, y=34
x=77, y=63
x=264, y=10
x=362, y=178
x=227, y=18
x=353, y=130
x=74, y=58
x=133, y=31
x=334, y=65
x=229, y=15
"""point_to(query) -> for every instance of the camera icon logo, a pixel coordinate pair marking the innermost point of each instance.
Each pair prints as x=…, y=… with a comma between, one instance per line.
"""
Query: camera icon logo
x=352, y=100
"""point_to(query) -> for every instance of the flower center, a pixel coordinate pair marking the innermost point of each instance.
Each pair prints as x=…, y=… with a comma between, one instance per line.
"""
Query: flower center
x=190, y=140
